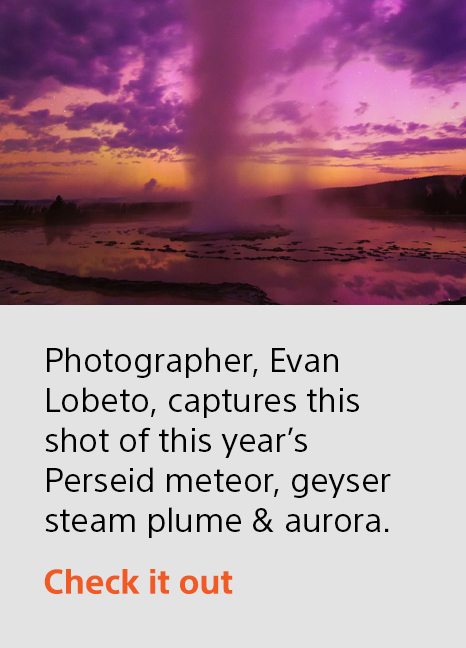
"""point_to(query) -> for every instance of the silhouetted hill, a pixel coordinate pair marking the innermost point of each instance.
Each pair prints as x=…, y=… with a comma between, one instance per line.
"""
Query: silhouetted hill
x=432, y=194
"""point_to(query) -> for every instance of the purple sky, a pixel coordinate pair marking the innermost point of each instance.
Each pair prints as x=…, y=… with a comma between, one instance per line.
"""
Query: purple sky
x=98, y=97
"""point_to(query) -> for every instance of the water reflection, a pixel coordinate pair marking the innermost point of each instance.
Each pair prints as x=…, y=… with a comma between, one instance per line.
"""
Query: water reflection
x=350, y=260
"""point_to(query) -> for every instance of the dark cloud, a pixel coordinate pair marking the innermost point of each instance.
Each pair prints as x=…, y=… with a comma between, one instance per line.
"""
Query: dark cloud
x=293, y=112
x=151, y=185
x=141, y=127
x=50, y=43
x=450, y=128
x=276, y=137
x=36, y=163
x=426, y=37
x=415, y=146
x=51, y=144
x=32, y=122
x=406, y=146
x=144, y=126
x=412, y=127
x=362, y=108
x=371, y=129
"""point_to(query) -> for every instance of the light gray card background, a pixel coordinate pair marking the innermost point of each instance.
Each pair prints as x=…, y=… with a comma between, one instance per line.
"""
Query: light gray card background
x=402, y=588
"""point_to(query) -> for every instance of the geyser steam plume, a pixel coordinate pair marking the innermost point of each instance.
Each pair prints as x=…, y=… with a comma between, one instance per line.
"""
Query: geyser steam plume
x=226, y=50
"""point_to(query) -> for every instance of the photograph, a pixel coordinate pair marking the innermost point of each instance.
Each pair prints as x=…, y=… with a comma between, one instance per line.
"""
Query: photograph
x=249, y=152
